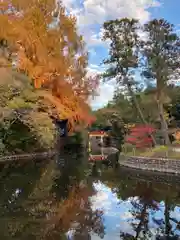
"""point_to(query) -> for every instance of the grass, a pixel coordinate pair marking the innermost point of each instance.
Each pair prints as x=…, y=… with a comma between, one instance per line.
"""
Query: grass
x=157, y=152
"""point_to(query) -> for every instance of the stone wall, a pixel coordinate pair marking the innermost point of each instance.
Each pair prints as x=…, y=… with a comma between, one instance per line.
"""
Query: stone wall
x=153, y=164
x=30, y=156
x=150, y=176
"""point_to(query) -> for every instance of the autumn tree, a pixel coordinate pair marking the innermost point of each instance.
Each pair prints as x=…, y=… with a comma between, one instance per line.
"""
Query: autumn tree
x=161, y=54
x=140, y=136
x=43, y=42
x=123, y=58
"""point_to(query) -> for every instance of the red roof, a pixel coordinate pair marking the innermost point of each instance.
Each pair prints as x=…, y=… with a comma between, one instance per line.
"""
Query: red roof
x=97, y=133
x=97, y=157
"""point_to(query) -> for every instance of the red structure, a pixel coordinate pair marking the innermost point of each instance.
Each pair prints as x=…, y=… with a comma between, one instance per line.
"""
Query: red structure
x=95, y=134
x=101, y=135
x=100, y=157
x=98, y=134
x=140, y=136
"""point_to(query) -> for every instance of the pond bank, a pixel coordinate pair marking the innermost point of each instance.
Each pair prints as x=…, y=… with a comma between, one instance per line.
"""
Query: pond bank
x=150, y=176
x=163, y=165
x=29, y=156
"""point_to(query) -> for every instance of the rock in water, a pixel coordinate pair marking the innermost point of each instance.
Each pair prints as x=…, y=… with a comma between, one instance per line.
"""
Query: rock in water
x=109, y=150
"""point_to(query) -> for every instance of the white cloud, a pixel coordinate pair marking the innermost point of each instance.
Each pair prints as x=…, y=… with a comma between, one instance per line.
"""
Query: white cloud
x=156, y=4
x=94, y=69
x=95, y=39
x=106, y=92
x=95, y=12
x=97, y=200
x=90, y=16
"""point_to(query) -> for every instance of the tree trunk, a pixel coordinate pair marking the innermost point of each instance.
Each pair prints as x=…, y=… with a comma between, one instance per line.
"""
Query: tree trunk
x=139, y=110
x=168, y=226
x=164, y=126
x=142, y=220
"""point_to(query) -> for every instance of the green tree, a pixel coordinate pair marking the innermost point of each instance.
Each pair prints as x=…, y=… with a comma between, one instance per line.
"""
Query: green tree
x=161, y=52
x=118, y=133
x=123, y=58
x=24, y=117
x=174, y=107
x=125, y=107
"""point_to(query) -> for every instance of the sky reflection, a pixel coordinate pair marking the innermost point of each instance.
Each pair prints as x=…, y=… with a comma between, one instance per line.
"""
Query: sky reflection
x=118, y=215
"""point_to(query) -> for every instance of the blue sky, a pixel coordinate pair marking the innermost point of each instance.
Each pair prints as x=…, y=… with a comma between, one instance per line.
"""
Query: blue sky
x=92, y=13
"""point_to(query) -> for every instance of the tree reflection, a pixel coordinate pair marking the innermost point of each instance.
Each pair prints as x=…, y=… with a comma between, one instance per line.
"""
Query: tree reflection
x=67, y=198
x=46, y=200
x=140, y=212
x=33, y=195
x=17, y=182
x=145, y=198
x=75, y=213
x=166, y=223
x=72, y=165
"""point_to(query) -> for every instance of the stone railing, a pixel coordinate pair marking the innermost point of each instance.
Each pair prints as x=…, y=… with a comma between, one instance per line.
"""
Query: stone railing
x=153, y=164
x=30, y=156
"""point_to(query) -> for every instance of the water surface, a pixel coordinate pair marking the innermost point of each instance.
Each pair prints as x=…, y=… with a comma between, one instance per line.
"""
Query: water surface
x=67, y=197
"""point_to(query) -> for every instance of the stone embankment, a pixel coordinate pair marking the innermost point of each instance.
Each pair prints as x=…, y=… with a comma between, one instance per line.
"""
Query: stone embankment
x=150, y=176
x=163, y=165
x=30, y=156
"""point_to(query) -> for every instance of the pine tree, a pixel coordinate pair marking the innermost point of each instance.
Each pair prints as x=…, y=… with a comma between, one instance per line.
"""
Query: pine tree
x=123, y=58
x=161, y=52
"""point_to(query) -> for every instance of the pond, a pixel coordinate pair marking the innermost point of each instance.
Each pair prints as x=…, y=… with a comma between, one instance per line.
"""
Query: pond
x=67, y=198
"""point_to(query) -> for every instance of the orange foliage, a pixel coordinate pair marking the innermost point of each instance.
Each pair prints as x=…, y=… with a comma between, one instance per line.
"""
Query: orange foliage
x=50, y=51
x=177, y=136
x=77, y=202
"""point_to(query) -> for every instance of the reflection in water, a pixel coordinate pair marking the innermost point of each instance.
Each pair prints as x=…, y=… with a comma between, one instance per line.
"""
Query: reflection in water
x=148, y=210
x=136, y=217
x=54, y=199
